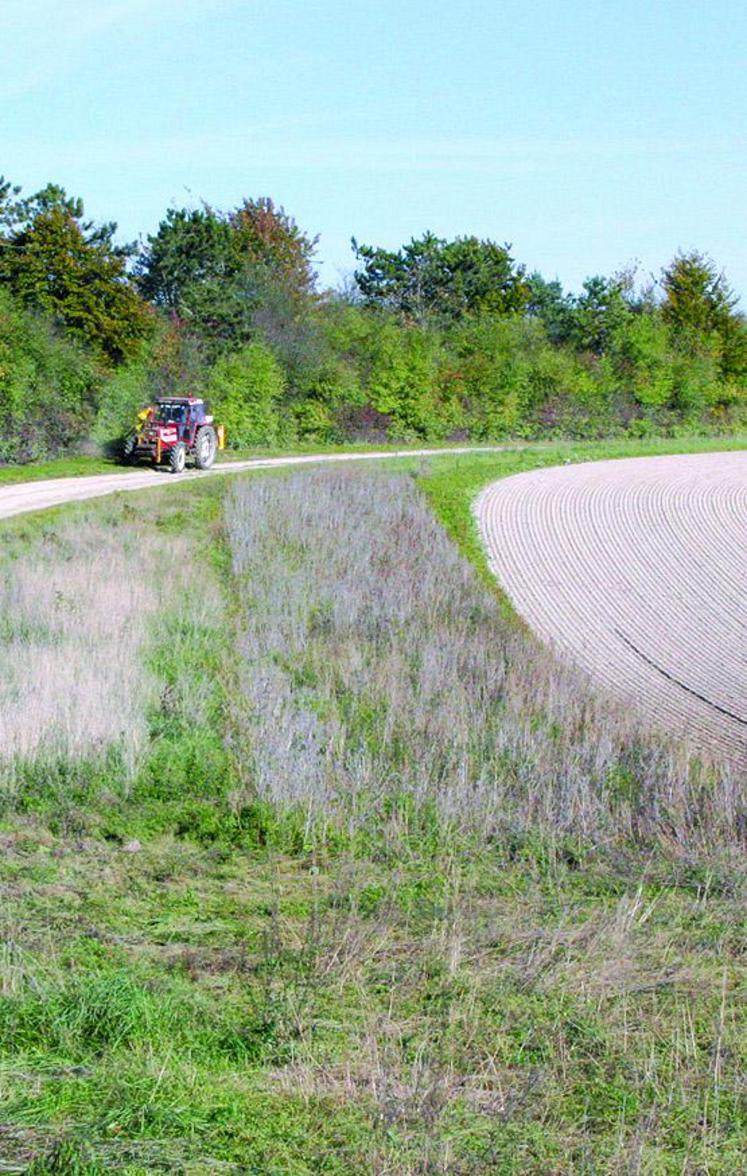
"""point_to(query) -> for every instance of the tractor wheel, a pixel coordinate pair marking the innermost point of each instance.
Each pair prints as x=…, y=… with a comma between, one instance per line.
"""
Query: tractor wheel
x=128, y=449
x=205, y=448
x=178, y=457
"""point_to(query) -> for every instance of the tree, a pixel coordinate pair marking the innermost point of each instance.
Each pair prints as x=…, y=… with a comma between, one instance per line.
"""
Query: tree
x=54, y=260
x=548, y=302
x=445, y=279
x=215, y=270
x=192, y=248
x=698, y=301
x=270, y=238
x=599, y=314
x=700, y=309
x=699, y=306
x=9, y=203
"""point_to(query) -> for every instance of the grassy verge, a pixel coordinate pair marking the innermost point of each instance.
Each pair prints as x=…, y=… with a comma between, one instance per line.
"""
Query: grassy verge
x=570, y=450
x=70, y=467
x=197, y=974
x=73, y=467
x=64, y=467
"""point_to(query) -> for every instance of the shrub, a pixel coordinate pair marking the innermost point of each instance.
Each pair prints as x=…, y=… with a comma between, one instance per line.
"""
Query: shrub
x=48, y=386
x=171, y=363
x=404, y=382
x=644, y=356
x=124, y=393
x=245, y=390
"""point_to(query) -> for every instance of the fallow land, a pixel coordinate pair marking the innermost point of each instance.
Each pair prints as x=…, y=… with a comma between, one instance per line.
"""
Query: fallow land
x=315, y=860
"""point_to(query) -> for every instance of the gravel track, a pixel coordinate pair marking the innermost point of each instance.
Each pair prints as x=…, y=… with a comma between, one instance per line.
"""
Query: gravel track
x=635, y=569
x=21, y=497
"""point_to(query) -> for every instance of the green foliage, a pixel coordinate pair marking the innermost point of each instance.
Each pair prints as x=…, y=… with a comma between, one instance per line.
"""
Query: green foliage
x=328, y=392
x=548, y=302
x=54, y=260
x=48, y=385
x=218, y=270
x=403, y=383
x=245, y=390
x=644, y=354
x=698, y=303
x=191, y=247
x=516, y=383
x=600, y=313
x=696, y=384
x=699, y=310
x=446, y=279
x=124, y=393
x=439, y=340
x=170, y=363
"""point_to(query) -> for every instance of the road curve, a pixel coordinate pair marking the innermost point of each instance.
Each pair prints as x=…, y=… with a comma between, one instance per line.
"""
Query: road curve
x=21, y=497
x=635, y=569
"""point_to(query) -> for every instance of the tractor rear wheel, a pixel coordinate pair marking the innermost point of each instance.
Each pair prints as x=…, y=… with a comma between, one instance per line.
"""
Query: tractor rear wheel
x=205, y=448
x=178, y=457
x=127, y=452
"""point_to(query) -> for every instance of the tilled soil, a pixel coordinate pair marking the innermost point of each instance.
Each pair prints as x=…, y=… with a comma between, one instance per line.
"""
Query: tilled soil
x=635, y=569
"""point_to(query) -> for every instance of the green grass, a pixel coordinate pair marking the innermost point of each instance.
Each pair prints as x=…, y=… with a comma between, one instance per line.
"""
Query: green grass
x=363, y=447
x=63, y=467
x=70, y=467
x=290, y=1014
x=73, y=467
x=189, y=984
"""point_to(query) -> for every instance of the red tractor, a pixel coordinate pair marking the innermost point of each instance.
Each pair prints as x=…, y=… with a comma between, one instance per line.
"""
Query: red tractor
x=172, y=430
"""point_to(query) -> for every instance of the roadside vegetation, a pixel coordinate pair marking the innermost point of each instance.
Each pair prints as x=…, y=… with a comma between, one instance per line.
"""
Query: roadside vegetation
x=61, y=467
x=436, y=341
x=351, y=876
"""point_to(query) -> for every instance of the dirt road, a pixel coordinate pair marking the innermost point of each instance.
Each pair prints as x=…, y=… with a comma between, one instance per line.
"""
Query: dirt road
x=637, y=570
x=26, y=496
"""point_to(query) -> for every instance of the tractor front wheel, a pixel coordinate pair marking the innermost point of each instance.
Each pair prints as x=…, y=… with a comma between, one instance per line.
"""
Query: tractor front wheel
x=178, y=457
x=205, y=448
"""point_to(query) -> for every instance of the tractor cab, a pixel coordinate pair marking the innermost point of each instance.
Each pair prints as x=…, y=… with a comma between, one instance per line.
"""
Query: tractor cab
x=187, y=414
x=169, y=412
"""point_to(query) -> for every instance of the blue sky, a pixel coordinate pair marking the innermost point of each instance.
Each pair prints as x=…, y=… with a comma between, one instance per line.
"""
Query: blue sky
x=591, y=135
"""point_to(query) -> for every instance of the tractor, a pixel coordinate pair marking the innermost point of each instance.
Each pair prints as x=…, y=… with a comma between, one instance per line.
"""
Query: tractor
x=172, y=430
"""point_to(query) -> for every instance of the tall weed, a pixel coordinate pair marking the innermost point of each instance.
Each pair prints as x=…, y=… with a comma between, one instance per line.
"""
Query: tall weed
x=384, y=686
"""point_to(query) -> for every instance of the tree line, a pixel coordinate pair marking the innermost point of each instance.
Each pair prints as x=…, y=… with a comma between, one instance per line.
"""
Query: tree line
x=436, y=340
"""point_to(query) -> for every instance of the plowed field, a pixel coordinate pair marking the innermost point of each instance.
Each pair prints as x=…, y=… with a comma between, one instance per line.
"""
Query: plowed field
x=636, y=569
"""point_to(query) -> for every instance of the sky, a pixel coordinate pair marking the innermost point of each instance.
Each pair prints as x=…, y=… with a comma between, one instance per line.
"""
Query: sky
x=591, y=135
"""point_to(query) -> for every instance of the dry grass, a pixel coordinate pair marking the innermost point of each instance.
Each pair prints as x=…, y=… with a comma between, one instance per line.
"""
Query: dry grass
x=79, y=613
x=377, y=668
x=224, y=994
